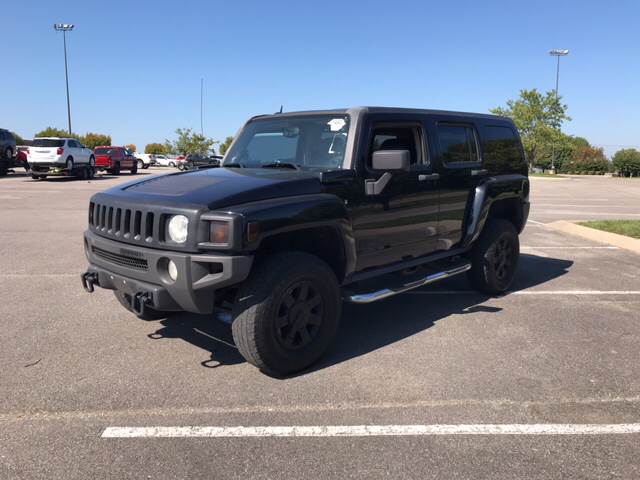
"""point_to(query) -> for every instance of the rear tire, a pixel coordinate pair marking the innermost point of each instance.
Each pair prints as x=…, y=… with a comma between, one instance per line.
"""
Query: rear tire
x=494, y=257
x=287, y=313
x=149, y=313
x=8, y=153
x=145, y=166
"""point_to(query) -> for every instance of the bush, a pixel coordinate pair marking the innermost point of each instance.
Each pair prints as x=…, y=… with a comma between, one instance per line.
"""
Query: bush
x=627, y=162
x=586, y=160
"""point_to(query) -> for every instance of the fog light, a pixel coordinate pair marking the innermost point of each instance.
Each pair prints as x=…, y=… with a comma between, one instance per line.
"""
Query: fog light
x=172, y=270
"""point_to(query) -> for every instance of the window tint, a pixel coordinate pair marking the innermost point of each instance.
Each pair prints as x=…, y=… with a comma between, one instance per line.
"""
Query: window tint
x=397, y=138
x=47, y=143
x=457, y=143
x=501, y=145
x=103, y=151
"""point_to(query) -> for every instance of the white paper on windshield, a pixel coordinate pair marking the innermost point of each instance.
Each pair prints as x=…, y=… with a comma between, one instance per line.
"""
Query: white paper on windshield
x=336, y=124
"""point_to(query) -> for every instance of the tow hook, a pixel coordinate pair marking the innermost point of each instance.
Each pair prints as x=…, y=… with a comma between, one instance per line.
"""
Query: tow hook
x=89, y=279
x=139, y=302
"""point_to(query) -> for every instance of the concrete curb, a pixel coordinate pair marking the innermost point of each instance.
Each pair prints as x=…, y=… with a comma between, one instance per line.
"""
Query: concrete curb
x=621, y=241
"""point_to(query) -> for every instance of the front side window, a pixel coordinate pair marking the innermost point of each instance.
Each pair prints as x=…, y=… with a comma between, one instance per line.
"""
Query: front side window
x=457, y=143
x=396, y=137
x=314, y=142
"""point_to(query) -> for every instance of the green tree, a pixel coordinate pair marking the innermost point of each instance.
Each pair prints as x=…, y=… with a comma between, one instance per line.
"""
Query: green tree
x=627, y=162
x=538, y=118
x=93, y=140
x=155, y=149
x=19, y=139
x=56, y=132
x=189, y=142
x=131, y=147
x=224, y=146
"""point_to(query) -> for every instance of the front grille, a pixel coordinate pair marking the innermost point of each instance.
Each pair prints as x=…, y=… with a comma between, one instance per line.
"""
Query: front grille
x=119, y=259
x=130, y=224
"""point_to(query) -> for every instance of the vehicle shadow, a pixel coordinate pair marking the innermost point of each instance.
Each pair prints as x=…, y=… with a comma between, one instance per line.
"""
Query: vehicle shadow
x=26, y=177
x=365, y=328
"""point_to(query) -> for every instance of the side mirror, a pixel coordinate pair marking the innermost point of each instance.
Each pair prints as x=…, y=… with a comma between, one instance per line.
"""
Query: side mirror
x=390, y=160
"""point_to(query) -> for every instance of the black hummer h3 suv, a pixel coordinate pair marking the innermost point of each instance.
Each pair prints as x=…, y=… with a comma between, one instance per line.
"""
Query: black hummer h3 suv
x=310, y=209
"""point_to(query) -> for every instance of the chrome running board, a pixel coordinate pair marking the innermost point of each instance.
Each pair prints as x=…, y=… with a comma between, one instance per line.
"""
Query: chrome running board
x=390, y=292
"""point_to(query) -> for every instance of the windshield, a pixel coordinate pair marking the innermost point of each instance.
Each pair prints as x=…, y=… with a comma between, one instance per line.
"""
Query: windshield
x=309, y=142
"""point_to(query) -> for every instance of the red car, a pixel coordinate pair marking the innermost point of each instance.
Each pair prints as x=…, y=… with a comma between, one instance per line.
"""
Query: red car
x=115, y=159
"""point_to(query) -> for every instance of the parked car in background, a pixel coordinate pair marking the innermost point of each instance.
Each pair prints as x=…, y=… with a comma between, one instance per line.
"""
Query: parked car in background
x=7, y=150
x=114, y=159
x=164, y=161
x=22, y=157
x=193, y=162
x=54, y=156
x=144, y=160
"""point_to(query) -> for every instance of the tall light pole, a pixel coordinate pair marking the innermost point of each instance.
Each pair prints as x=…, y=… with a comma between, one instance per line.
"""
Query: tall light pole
x=201, y=106
x=64, y=28
x=556, y=53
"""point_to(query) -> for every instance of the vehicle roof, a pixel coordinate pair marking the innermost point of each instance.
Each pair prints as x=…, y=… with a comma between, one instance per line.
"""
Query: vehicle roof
x=108, y=146
x=372, y=109
x=56, y=138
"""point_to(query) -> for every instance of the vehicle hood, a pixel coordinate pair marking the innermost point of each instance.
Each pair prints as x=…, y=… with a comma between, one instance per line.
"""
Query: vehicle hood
x=215, y=188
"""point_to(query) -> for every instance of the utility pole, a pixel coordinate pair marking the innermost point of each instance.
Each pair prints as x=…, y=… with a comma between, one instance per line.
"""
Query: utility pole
x=201, y=106
x=64, y=28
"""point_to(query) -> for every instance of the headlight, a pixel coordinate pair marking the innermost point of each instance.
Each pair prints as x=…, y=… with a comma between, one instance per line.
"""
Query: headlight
x=178, y=228
x=219, y=232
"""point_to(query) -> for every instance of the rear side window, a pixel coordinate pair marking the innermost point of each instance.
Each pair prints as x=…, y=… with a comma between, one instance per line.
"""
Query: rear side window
x=501, y=145
x=47, y=143
x=457, y=143
x=103, y=151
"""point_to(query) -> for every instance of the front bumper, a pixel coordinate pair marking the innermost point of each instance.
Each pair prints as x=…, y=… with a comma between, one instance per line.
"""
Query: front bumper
x=137, y=270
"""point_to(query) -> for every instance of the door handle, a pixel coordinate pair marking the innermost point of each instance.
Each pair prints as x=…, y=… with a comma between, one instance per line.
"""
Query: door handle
x=479, y=173
x=425, y=177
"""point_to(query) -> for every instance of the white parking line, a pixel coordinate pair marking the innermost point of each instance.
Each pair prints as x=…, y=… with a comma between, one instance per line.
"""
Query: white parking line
x=530, y=292
x=570, y=247
x=372, y=430
x=534, y=222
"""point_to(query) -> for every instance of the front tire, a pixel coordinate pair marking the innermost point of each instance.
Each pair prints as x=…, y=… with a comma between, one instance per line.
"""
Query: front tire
x=134, y=169
x=149, y=313
x=287, y=313
x=494, y=257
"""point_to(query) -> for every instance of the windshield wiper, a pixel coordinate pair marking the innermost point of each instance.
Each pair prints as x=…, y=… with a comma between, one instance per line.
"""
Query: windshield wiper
x=278, y=164
x=233, y=165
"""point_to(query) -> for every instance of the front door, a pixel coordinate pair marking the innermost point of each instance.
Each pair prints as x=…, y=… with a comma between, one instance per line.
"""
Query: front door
x=401, y=221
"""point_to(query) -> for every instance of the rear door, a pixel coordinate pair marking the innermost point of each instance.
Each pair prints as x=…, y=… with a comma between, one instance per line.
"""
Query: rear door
x=457, y=143
x=401, y=221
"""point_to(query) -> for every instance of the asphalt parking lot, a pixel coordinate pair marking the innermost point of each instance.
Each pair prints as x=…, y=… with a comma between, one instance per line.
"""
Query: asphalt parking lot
x=562, y=348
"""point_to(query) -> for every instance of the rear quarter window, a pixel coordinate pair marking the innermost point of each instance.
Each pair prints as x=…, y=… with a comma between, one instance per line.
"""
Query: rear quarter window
x=501, y=148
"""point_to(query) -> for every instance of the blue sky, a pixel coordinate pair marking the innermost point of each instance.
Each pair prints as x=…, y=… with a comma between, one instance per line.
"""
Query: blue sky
x=135, y=66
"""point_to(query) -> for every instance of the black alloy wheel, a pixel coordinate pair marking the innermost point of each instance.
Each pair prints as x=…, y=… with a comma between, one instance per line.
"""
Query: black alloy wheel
x=299, y=315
